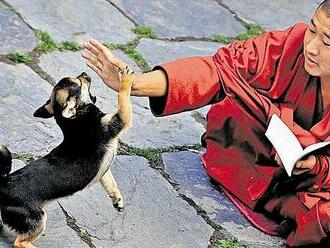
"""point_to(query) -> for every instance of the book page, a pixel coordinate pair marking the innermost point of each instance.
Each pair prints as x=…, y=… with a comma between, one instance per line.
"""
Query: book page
x=285, y=143
x=313, y=148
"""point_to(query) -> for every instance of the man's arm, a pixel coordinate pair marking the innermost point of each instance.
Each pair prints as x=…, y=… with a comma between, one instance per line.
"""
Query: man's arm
x=173, y=87
x=100, y=59
x=152, y=84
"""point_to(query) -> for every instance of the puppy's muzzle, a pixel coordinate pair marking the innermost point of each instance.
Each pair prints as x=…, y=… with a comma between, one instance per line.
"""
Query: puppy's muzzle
x=85, y=76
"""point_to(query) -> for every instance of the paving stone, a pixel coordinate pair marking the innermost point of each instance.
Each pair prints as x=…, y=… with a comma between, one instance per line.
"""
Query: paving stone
x=15, y=35
x=171, y=18
x=181, y=129
x=57, y=233
x=22, y=92
x=154, y=215
x=70, y=20
x=262, y=11
x=156, y=52
x=186, y=169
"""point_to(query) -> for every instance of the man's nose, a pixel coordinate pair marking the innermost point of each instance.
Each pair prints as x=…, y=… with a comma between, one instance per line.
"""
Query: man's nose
x=313, y=47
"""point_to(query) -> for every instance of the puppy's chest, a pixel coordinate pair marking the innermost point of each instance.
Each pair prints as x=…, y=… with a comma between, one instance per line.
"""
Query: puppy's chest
x=106, y=160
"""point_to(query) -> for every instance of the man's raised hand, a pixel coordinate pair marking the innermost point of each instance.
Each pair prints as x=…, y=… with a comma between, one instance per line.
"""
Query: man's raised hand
x=104, y=63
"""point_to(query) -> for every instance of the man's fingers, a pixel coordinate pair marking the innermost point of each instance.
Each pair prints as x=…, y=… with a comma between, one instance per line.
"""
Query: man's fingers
x=89, y=56
x=94, y=68
x=98, y=45
x=91, y=48
x=92, y=59
x=106, y=54
x=307, y=163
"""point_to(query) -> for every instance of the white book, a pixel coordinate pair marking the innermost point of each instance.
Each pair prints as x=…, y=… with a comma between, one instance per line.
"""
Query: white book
x=287, y=145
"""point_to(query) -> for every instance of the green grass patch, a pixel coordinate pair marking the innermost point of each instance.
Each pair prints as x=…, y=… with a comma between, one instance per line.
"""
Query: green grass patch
x=228, y=243
x=47, y=44
x=20, y=57
x=70, y=46
x=25, y=157
x=145, y=31
x=129, y=49
x=221, y=39
x=252, y=31
x=148, y=153
x=85, y=236
x=112, y=46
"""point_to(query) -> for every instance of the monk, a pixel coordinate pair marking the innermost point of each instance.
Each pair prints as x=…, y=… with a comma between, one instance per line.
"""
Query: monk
x=280, y=72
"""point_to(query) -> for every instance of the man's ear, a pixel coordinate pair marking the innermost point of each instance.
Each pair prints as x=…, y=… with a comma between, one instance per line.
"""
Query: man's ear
x=70, y=109
x=45, y=111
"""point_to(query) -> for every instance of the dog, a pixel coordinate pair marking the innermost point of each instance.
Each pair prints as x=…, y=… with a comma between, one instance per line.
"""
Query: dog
x=90, y=139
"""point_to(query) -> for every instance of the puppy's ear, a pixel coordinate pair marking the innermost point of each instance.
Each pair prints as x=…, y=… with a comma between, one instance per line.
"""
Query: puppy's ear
x=45, y=111
x=70, y=108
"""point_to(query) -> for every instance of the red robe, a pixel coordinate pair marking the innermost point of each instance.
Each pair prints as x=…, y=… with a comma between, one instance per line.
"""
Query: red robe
x=247, y=82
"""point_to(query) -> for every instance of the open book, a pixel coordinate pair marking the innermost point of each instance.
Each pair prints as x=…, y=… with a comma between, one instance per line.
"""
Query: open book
x=287, y=145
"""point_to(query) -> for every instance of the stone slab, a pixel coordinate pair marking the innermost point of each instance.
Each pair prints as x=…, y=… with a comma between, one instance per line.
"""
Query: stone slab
x=156, y=52
x=186, y=169
x=73, y=20
x=154, y=215
x=185, y=18
x=22, y=92
x=262, y=11
x=15, y=35
x=57, y=233
x=181, y=129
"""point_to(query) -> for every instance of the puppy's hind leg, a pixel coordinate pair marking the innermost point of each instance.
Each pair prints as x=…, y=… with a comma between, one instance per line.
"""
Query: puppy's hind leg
x=25, y=240
x=110, y=186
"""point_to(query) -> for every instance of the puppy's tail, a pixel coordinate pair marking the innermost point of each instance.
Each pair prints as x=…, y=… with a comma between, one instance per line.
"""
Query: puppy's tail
x=5, y=161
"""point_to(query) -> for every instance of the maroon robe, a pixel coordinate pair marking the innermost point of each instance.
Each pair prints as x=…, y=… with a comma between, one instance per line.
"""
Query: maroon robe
x=247, y=82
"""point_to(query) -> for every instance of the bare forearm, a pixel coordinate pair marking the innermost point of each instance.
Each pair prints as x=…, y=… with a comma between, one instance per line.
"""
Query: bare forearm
x=152, y=83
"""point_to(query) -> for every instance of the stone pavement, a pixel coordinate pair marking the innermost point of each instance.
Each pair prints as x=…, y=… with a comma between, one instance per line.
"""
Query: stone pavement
x=170, y=201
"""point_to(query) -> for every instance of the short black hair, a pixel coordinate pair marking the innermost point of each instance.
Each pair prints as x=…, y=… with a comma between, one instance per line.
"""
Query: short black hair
x=325, y=6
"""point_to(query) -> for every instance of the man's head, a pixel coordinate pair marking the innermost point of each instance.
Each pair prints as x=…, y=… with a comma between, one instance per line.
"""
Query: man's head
x=317, y=42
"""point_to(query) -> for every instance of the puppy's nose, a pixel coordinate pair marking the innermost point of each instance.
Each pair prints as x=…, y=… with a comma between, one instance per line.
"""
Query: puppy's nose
x=85, y=76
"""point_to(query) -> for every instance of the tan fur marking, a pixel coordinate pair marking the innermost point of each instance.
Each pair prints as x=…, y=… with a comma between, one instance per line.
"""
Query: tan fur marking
x=62, y=96
x=109, y=184
x=75, y=80
x=25, y=240
x=106, y=120
x=124, y=100
x=49, y=108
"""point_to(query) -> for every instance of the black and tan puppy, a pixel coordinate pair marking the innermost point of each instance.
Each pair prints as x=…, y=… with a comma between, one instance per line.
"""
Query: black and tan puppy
x=83, y=158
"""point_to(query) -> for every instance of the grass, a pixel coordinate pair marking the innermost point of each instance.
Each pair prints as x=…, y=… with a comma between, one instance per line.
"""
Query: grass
x=148, y=153
x=20, y=57
x=25, y=157
x=47, y=44
x=70, y=46
x=252, y=31
x=129, y=49
x=228, y=243
x=85, y=236
x=145, y=31
x=221, y=39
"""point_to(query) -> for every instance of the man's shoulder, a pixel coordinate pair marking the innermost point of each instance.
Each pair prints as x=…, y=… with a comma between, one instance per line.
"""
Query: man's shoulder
x=293, y=34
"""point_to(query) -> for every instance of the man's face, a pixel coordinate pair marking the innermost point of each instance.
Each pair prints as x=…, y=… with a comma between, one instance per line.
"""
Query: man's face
x=317, y=45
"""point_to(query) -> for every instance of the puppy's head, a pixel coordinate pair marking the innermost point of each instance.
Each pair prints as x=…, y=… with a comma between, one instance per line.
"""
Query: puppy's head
x=68, y=95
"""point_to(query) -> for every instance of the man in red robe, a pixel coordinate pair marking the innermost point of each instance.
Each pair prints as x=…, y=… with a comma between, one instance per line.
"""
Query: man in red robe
x=281, y=72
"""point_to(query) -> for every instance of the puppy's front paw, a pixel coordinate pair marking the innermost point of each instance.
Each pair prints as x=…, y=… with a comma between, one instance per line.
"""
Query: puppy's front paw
x=119, y=204
x=127, y=78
